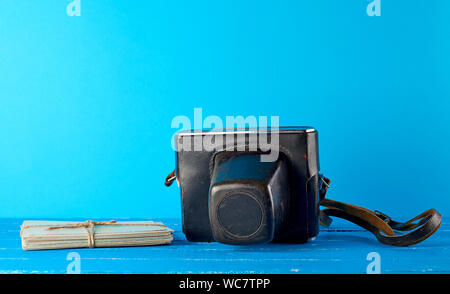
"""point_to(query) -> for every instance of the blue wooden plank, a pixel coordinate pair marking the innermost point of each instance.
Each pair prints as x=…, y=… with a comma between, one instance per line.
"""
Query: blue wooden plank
x=342, y=249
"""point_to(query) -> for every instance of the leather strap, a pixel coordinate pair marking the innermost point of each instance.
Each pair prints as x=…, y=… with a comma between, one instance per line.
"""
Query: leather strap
x=382, y=226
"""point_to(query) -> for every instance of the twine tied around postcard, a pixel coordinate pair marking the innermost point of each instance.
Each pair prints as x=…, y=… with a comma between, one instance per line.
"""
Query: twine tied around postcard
x=89, y=227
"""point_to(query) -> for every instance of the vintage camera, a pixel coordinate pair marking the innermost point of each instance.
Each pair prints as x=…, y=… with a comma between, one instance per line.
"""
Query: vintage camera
x=245, y=186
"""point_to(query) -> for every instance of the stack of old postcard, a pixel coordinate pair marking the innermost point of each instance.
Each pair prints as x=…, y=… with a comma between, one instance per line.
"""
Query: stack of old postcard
x=38, y=235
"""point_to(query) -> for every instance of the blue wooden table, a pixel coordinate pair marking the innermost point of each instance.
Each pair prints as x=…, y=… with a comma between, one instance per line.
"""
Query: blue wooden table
x=344, y=248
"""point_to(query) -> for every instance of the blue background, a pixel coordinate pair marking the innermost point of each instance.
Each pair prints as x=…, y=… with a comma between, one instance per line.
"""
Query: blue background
x=86, y=103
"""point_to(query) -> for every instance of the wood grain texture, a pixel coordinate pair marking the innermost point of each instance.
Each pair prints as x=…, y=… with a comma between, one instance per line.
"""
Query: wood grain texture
x=341, y=249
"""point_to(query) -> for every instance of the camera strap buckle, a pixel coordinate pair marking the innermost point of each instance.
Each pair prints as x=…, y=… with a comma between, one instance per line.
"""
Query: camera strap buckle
x=170, y=178
x=384, y=217
x=323, y=187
